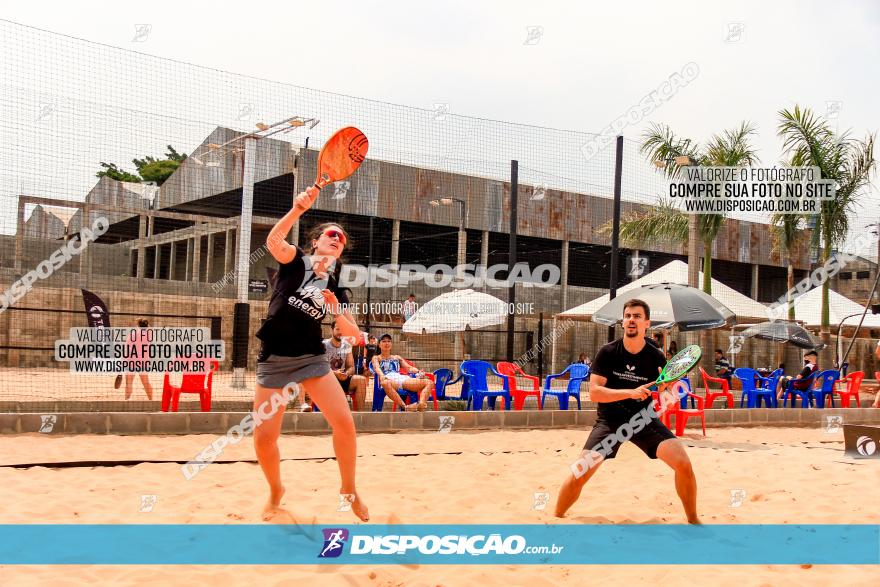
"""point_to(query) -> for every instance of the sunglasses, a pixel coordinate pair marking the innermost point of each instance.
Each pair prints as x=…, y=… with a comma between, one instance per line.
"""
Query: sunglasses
x=338, y=235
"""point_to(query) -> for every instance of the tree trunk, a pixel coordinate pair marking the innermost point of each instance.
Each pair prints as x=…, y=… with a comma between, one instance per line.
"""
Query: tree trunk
x=789, y=284
x=707, y=266
x=826, y=354
x=826, y=314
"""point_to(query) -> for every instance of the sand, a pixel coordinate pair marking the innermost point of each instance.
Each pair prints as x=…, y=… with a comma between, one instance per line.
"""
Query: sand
x=793, y=475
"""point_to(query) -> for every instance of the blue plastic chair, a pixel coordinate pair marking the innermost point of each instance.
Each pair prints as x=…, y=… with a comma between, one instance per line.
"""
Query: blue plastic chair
x=475, y=374
x=751, y=393
x=379, y=394
x=806, y=395
x=442, y=379
x=683, y=393
x=828, y=379
x=577, y=373
x=771, y=383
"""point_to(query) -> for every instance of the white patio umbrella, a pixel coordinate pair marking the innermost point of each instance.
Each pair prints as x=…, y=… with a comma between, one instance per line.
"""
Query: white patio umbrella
x=457, y=311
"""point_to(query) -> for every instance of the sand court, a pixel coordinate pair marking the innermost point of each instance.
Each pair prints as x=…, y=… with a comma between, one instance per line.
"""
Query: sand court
x=745, y=475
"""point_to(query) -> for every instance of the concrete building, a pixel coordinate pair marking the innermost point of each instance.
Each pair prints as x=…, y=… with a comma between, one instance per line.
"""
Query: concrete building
x=182, y=239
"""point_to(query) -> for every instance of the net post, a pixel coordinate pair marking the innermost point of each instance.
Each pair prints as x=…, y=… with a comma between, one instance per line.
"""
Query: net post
x=240, y=326
x=615, y=226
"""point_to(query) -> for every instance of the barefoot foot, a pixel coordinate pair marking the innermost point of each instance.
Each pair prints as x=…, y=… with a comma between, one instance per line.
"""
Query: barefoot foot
x=274, y=503
x=359, y=508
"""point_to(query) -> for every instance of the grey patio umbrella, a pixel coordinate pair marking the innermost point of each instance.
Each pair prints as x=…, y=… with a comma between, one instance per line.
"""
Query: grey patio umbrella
x=783, y=331
x=672, y=304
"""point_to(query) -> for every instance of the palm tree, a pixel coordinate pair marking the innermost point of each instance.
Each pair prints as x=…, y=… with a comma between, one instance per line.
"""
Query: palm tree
x=665, y=221
x=788, y=232
x=808, y=140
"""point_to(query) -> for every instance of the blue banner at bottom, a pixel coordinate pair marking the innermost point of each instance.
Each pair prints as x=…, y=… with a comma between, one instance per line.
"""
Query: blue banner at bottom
x=557, y=544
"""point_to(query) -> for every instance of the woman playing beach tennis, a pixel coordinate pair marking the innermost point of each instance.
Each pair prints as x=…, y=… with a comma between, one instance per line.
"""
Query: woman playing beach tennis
x=307, y=288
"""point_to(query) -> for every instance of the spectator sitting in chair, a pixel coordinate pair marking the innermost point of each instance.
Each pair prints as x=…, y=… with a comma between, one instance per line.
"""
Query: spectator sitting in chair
x=387, y=367
x=722, y=366
x=811, y=365
x=342, y=365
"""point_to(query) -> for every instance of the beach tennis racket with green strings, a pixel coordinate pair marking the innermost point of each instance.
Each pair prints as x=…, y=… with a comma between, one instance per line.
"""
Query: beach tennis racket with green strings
x=679, y=365
x=340, y=156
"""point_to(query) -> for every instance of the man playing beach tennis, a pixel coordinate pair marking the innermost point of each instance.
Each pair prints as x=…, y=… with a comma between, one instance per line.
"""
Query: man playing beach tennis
x=620, y=377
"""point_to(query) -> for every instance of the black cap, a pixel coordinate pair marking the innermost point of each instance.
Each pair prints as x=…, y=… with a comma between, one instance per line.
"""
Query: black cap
x=384, y=336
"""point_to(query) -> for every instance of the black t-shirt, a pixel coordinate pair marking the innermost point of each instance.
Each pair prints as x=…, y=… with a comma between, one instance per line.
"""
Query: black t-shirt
x=369, y=351
x=624, y=370
x=809, y=369
x=293, y=326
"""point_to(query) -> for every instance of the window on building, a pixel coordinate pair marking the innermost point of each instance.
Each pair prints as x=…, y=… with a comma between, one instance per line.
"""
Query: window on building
x=863, y=275
x=846, y=275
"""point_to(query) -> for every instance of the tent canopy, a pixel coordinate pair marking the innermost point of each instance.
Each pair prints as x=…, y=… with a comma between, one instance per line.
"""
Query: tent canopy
x=744, y=308
x=808, y=308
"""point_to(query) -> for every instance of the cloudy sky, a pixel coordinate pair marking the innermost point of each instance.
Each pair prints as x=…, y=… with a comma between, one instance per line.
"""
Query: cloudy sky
x=567, y=65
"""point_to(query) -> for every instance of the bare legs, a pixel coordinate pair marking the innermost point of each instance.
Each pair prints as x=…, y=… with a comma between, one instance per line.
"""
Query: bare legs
x=129, y=388
x=672, y=452
x=325, y=392
x=669, y=451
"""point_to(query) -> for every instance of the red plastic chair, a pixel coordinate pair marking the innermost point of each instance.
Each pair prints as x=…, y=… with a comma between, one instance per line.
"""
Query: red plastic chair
x=853, y=383
x=433, y=389
x=510, y=371
x=712, y=395
x=199, y=383
x=681, y=415
x=664, y=416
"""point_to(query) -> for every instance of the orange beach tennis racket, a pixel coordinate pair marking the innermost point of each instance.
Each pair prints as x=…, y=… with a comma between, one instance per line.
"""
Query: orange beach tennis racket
x=341, y=155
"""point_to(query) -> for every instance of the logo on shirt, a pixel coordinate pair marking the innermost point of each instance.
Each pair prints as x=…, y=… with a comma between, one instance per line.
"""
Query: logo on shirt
x=309, y=300
x=630, y=367
x=313, y=294
x=315, y=267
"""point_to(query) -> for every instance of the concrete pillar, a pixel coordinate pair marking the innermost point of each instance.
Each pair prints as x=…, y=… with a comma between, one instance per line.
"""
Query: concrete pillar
x=187, y=270
x=172, y=260
x=633, y=273
x=395, y=242
x=197, y=254
x=19, y=237
x=564, y=275
x=156, y=262
x=228, y=252
x=85, y=258
x=755, y=275
x=484, y=253
x=462, y=247
x=209, y=256
x=151, y=226
x=142, y=233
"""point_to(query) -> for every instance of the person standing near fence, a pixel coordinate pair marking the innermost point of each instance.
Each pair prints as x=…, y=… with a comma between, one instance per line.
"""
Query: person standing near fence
x=141, y=344
x=410, y=307
x=292, y=349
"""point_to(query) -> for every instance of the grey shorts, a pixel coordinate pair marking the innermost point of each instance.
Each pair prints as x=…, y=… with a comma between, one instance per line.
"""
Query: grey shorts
x=276, y=371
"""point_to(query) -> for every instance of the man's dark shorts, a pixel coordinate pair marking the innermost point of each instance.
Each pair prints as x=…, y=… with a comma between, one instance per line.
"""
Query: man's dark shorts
x=344, y=383
x=647, y=439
